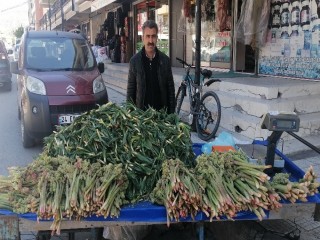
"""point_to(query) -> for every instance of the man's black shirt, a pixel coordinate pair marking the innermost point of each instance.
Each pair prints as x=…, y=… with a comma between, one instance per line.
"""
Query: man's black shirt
x=153, y=94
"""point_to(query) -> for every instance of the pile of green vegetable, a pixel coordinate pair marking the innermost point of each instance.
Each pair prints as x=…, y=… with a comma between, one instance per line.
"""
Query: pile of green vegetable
x=58, y=188
x=224, y=183
x=221, y=184
x=233, y=184
x=115, y=155
x=296, y=191
x=178, y=190
x=139, y=140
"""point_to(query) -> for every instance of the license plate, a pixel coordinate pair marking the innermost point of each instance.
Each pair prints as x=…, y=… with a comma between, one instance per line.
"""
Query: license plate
x=67, y=119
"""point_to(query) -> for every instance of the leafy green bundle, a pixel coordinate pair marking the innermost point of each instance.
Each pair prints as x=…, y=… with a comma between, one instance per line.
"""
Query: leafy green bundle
x=139, y=140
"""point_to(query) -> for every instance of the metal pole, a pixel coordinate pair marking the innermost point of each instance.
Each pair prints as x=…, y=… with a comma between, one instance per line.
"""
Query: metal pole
x=304, y=142
x=62, y=15
x=198, y=41
x=234, y=13
x=50, y=15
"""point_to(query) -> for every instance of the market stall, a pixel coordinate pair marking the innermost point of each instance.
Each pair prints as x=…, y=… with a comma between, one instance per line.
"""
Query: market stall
x=150, y=185
x=146, y=213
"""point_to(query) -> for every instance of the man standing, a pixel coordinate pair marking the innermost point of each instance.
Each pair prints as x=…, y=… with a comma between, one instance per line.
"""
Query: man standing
x=150, y=79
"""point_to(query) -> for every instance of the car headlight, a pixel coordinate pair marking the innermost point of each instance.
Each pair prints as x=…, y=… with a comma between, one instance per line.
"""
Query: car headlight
x=98, y=85
x=36, y=86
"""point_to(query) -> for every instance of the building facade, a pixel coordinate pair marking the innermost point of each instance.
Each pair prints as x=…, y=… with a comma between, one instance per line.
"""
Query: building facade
x=285, y=33
x=269, y=37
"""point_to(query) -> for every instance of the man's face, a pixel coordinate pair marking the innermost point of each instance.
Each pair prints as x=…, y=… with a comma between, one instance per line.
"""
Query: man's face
x=150, y=39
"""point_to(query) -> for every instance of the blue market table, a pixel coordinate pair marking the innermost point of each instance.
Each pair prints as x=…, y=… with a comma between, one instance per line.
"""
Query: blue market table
x=146, y=213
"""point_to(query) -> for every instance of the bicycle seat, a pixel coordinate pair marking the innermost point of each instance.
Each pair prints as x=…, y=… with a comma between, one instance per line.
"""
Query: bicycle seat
x=206, y=73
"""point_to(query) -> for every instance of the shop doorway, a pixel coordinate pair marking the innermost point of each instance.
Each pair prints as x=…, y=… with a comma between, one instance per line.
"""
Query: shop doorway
x=152, y=10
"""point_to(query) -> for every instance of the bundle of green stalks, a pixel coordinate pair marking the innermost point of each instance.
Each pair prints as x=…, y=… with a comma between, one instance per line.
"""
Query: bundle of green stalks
x=296, y=191
x=178, y=190
x=232, y=184
x=139, y=140
x=59, y=188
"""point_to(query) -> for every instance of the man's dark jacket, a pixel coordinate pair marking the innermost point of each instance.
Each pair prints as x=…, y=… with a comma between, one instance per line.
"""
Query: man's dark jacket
x=136, y=88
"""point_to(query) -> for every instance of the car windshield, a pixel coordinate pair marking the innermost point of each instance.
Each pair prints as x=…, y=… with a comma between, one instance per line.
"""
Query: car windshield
x=58, y=54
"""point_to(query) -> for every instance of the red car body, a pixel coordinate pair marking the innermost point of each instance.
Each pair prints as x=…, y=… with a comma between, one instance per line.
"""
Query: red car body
x=58, y=79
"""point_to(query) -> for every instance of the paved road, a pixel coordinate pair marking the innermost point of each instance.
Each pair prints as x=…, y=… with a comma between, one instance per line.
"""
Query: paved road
x=12, y=153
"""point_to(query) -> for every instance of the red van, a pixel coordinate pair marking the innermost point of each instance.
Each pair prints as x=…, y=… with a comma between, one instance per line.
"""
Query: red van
x=5, y=74
x=58, y=79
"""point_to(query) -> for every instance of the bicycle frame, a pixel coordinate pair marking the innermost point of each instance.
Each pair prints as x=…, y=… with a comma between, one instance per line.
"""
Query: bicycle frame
x=207, y=116
x=194, y=91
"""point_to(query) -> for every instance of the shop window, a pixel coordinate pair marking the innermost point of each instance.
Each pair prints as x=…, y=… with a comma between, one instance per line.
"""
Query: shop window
x=215, y=31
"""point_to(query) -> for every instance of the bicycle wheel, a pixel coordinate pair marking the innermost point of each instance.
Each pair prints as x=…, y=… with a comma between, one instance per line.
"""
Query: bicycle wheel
x=179, y=98
x=209, y=116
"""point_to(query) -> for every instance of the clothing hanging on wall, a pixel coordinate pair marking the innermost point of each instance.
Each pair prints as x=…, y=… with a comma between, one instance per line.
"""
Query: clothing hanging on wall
x=252, y=25
x=222, y=19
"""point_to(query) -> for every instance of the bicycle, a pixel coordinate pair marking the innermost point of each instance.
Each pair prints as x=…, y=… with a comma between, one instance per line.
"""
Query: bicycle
x=205, y=109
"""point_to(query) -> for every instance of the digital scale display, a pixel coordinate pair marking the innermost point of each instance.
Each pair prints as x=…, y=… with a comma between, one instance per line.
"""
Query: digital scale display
x=281, y=122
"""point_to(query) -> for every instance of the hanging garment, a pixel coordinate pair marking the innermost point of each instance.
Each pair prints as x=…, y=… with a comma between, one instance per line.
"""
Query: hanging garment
x=222, y=14
x=251, y=28
x=207, y=10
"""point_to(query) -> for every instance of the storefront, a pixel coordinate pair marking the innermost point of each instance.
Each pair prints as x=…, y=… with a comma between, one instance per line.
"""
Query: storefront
x=216, y=32
x=109, y=28
x=218, y=47
x=293, y=43
x=153, y=10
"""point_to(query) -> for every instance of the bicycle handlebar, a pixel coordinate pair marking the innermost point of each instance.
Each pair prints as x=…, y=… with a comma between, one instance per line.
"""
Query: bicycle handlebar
x=205, y=72
x=183, y=62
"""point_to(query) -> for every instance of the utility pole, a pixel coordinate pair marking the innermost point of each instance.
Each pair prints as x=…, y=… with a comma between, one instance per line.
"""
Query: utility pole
x=62, y=15
x=49, y=15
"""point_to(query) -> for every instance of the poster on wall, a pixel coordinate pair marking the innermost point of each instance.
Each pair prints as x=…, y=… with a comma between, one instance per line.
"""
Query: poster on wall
x=293, y=41
x=215, y=46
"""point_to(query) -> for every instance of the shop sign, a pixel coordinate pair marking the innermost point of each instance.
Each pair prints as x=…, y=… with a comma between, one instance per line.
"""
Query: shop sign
x=293, y=47
x=98, y=4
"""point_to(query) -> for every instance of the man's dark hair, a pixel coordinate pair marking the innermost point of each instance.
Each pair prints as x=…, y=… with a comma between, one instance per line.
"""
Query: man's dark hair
x=149, y=24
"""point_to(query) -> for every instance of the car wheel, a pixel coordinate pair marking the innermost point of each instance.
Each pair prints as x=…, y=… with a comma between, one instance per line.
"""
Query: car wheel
x=27, y=141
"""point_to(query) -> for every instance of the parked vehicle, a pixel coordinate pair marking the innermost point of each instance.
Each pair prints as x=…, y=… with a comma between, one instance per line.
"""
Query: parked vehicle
x=10, y=54
x=58, y=79
x=16, y=52
x=5, y=74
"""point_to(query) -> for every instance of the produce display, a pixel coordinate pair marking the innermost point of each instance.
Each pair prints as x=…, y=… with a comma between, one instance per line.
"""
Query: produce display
x=140, y=140
x=232, y=185
x=117, y=155
x=221, y=184
x=57, y=188
x=178, y=190
x=294, y=191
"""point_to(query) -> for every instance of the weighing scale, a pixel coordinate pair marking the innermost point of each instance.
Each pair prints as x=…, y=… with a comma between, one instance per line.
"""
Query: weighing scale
x=278, y=122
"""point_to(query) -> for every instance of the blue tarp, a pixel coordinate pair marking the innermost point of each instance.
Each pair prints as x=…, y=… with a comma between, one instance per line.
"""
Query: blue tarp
x=148, y=212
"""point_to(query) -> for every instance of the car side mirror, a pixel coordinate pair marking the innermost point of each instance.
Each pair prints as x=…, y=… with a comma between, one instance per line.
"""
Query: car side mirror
x=101, y=67
x=14, y=67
